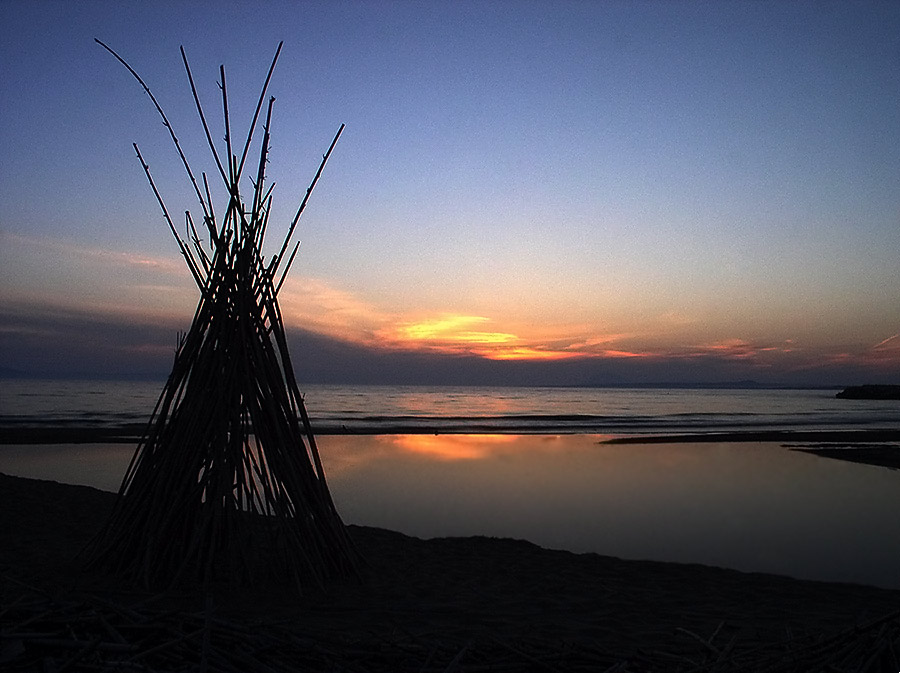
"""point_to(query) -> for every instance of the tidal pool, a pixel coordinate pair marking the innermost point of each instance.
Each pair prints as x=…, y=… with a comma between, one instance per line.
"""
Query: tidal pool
x=750, y=506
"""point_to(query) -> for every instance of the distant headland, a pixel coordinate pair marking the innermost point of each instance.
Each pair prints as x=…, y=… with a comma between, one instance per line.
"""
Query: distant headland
x=870, y=392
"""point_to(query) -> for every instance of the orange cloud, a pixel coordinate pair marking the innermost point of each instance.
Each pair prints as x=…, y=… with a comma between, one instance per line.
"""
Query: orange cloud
x=622, y=354
x=528, y=353
x=452, y=333
x=314, y=304
x=453, y=328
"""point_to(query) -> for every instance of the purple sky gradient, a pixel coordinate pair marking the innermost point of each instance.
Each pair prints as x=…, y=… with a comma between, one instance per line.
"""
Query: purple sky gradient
x=644, y=190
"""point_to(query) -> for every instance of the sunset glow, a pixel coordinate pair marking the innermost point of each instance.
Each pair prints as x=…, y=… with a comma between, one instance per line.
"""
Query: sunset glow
x=454, y=334
x=527, y=353
x=633, y=221
x=453, y=329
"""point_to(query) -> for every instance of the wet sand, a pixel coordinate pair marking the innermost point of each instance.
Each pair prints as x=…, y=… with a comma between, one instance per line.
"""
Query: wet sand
x=842, y=436
x=441, y=604
x=882, y=455
x=868, y=447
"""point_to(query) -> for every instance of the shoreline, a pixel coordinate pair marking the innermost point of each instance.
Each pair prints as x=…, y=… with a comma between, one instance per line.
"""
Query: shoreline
x=132, y=432
x=847, y=436
x=877, y=447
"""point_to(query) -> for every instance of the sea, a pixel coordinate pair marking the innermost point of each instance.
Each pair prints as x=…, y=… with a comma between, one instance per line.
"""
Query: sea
x=537, y=464
x=376, y=409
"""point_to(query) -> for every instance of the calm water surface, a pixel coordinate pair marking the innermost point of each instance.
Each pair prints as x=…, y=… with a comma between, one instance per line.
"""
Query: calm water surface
x=398, y=409
x=750, y=506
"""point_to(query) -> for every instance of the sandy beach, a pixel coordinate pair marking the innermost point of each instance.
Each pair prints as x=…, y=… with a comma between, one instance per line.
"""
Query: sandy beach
x=442, y=604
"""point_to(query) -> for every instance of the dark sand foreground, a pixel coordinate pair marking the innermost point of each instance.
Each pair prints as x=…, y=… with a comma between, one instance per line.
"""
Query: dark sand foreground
x=458, y=604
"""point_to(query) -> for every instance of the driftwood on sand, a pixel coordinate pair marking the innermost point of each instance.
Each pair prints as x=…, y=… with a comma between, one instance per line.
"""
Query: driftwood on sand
x=226, y=482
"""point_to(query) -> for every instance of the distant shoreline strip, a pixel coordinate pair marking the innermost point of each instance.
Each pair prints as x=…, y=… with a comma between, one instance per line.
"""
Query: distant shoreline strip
x=131, y=433
x=874, y=435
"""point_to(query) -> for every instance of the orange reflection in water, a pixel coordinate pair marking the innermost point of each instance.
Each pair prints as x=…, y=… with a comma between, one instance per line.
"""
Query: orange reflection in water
x=345, y=455
x=450, y=447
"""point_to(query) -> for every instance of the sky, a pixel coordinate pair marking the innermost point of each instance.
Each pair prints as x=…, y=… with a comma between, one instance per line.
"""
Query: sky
x=525, y=192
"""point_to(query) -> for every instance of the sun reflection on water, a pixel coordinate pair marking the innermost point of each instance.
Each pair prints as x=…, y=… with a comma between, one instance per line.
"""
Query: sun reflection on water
x=451, y=447
x=753, y=506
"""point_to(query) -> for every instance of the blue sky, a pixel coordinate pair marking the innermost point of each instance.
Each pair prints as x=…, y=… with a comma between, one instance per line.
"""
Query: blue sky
x=707, y=188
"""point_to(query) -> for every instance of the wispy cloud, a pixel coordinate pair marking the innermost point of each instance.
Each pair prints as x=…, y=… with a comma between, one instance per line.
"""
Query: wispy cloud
x=42, y=271
x=741, y=349
x=886, y=353
x=64, y=249
x=887, y=341
x=317, y=305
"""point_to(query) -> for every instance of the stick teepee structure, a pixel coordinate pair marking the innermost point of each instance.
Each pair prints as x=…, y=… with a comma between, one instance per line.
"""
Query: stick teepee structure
x=226, y=482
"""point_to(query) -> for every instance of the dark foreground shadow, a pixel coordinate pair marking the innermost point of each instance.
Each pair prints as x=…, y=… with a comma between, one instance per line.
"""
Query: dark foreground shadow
x=423, y=605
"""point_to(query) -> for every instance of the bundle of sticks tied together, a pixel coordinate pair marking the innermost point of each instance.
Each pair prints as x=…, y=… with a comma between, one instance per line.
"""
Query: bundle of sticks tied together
x=226, y=483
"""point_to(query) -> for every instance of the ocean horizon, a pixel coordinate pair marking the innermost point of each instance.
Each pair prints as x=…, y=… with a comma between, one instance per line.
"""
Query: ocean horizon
x=373, y=409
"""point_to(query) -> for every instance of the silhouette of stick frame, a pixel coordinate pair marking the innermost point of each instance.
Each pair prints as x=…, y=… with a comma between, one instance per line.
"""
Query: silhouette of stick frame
x=226, y=482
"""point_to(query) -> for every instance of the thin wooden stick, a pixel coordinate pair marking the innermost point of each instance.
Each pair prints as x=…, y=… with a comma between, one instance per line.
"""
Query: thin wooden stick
x=263, y=156
x=166, y=123
x=309, y=190
x=192, y=265
x=231, y=183
x=287, y=268
x=195, y=237
x=211, y=220
x=209, y=140
x=259, y=103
